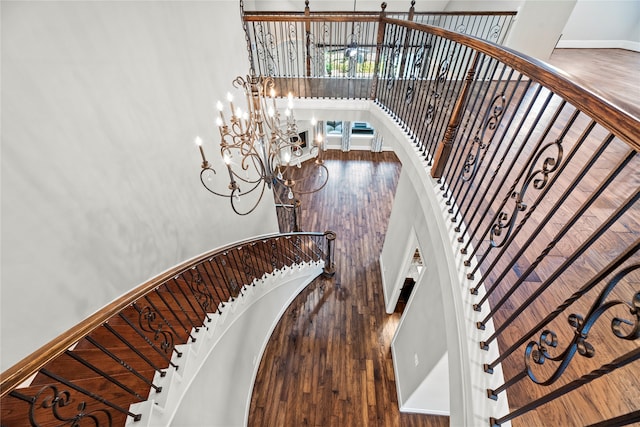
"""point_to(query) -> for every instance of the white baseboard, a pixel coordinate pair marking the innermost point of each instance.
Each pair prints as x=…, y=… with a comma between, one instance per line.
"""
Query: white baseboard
x=599, y=44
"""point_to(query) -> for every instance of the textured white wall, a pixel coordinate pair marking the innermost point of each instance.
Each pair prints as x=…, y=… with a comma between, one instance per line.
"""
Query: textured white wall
x=415, y=359
x=538, y=26
x=100, y=186
x=219, y=394
x=603, y=24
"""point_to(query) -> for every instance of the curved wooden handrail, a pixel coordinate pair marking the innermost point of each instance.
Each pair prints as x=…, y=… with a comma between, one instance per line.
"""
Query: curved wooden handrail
x=468, y=13
x=319, y=17
x=23, y=370
x=618, y=121
x=338, y=16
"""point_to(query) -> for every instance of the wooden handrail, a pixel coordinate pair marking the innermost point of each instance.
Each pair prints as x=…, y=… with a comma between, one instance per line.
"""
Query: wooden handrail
x=346, y=15
x=23, y=370
x=467, y=13
x=620, y=122
x=313, y=18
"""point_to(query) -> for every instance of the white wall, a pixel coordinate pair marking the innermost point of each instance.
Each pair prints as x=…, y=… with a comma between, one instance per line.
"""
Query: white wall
x=219, y=394
x=415, y=359
x=538, y=26
x=603, y=24
x=535, y=29
x=100, y=177
x=424, y=217
x=484, y=5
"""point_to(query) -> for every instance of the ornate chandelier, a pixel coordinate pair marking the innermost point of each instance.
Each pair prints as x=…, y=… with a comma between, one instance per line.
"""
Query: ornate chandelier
x=261, y=148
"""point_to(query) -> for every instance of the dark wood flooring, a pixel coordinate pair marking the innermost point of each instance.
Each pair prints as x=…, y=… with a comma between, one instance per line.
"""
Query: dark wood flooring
x=329, y=360
x=614, y=74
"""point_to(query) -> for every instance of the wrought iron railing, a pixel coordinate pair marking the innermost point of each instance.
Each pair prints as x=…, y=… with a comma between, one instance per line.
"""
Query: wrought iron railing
x=92, y=373
x=541, y=179
x=339, y=53
x=492, y=26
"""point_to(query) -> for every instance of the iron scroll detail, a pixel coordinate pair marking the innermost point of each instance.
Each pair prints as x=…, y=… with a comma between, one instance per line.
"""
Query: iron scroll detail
x=539, y=351
x=478, y=146
x=538, y=179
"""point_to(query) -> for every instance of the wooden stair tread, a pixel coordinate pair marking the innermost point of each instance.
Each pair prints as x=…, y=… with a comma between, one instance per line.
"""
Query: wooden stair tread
x=67, y=367
x=13, y=410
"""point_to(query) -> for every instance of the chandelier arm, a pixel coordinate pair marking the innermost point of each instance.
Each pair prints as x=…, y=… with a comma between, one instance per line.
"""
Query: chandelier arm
x=257, y=164
x=248, y=181
x=247, y=149
x=232, y=198
x=236, y=129
x=272, y=123
x=240, y=82
x=257, y=183
x=207, y=187
x=275, y=163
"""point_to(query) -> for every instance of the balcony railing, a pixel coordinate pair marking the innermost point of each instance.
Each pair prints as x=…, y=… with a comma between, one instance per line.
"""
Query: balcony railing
x=94, y=372
x=339, y=53
x=540, y=177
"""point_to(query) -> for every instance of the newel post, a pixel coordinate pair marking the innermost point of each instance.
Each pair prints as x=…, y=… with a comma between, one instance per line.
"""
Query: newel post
x=444, y=147
x=329, y=266
x=379, y=41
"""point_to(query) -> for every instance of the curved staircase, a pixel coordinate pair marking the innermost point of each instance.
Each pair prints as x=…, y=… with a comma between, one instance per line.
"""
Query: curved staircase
x=135, y=359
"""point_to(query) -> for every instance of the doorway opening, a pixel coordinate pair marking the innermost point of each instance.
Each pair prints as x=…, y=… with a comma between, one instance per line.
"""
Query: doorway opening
x=414, y=271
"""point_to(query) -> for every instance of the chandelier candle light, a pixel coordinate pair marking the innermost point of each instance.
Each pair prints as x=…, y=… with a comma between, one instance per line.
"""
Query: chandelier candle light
x=257, y=147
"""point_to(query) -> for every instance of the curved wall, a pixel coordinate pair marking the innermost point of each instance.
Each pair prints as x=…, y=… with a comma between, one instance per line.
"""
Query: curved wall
x=448, y=330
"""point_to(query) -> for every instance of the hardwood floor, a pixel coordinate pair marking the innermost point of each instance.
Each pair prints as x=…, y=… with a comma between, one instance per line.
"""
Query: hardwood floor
x=329, y=360
x=612, y=73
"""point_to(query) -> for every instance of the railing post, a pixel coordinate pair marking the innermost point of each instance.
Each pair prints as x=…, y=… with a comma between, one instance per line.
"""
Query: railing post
x=444, y=147
x=329, y=267
x=247, y=39
x=379, y=41
x=296, y=214
x=407, y=36
x=307, y=30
